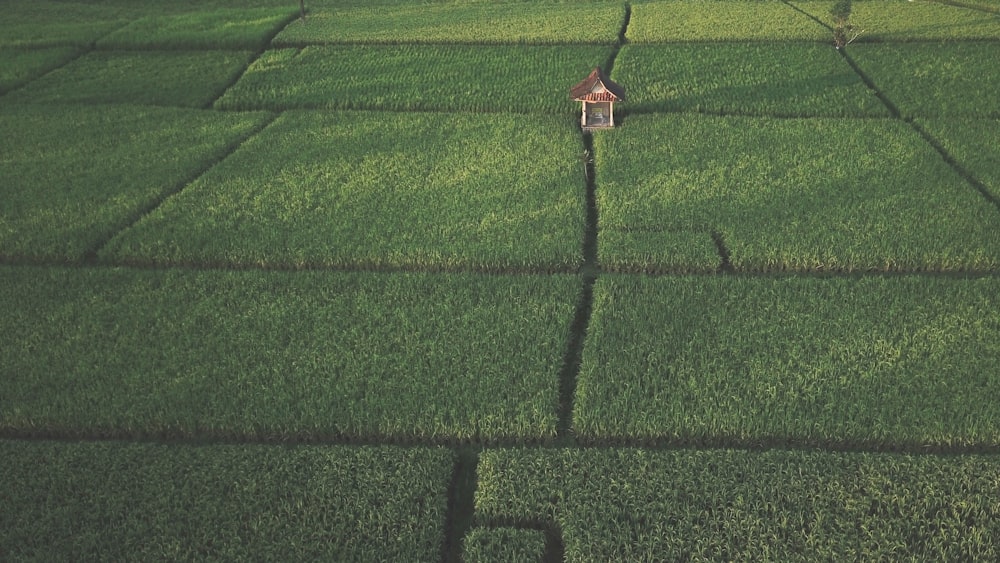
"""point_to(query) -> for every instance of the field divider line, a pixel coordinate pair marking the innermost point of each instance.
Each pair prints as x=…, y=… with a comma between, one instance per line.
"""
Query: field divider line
x=978, y=8
x=958, y=168
x=90, y=257
x=461, y=503
x=80, y=52
x=725, y=266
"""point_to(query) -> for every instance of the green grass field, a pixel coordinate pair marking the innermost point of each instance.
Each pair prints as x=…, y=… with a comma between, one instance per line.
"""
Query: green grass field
x=358, y=287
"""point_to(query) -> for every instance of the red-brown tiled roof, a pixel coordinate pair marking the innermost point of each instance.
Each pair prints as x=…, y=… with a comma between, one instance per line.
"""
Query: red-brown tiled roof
x=584, y=90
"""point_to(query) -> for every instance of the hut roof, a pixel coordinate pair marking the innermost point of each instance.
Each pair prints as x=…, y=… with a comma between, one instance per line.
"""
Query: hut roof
x=585, y=90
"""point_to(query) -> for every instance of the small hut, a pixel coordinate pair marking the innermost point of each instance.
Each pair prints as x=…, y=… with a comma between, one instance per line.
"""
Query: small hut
x=598, y=94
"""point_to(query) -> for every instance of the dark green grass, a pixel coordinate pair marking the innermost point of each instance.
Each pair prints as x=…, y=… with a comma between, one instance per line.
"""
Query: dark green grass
x=49, y=23
x=785, y=195
x=20, y=65
x=167, y=78
x=358, y=189
x=495, y=79
x=207, y=28
x=76, y=175
x=935, y=80
x=281, y=355
x=668, y=21
x=503, y=545
x=789, y=80
x=907, y=362
x=463, y=21
x=973, y=143
x=720, y=505
x=117, y=501
x=905, y=21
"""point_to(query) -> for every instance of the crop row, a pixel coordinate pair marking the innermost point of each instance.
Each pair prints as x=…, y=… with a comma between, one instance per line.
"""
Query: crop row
x=77, y=175
x=511, y=22
x=281, y=355
x=359, y=189
x=638, y=505
x=160, y=78
x=666, y=21
x=18, y=65
x=497, y=79
x=786, y=79
x=119, y=501
x=887, y=362
x=826, y=194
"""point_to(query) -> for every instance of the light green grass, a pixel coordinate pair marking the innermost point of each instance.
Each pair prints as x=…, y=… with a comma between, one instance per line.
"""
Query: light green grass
x=120, y=501
x=973, y=143
x=903, y=20
x=787, y=80
x=77, y=175
x=494, y=79
x=868, y=362
x=934, y=80
x=720, y=505
x=281, y=355
x=667, y=21
x=504, y=22
x=206, y=28
x=785, y=195
x=359, y=189
x=162, y=78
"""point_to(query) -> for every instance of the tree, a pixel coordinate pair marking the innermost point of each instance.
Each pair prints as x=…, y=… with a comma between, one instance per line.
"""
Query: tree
x=843, y=32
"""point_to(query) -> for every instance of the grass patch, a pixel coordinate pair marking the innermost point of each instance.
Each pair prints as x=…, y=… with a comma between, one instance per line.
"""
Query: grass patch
x=874, y=361
x=784, y=80
x=638, y=505
x=281, y=355
x=668, y=21
x=511, y=22
x=379, y=190
x=220, y=28
x=76, y=175
x=51, y=23
x=118, y=501
x=499, y=545
x=190, y=79
x=827, y=195
x=934, y=80
x=496, y=79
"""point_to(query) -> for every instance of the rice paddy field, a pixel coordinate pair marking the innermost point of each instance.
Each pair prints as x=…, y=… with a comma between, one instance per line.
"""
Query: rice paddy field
x=357, y=287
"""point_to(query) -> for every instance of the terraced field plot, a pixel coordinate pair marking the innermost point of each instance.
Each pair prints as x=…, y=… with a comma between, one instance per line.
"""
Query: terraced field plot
x=380, y=190
x=463, y=21
x=476, y=78
x=380, y=298
x=829, y=195
x=934, y=80
x=161, y=78
x=790, y=80
x=70, y=181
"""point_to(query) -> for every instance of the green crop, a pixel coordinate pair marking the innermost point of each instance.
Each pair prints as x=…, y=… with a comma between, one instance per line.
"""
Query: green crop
x=359, y=189
x=905, y=20
x=152, y=502
x=281, y=355
x=20, y=65
x=185, y=79
x=503, y=545
x=785, y=80
x=495, y=79
x=464, y=21
x=873, y=361
x=934, y=80
x=226, y=28
x=77, y=175
x=668, y=21
x=48, y=23
x=640, y=505
x=973, y=143
x=785, y=194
